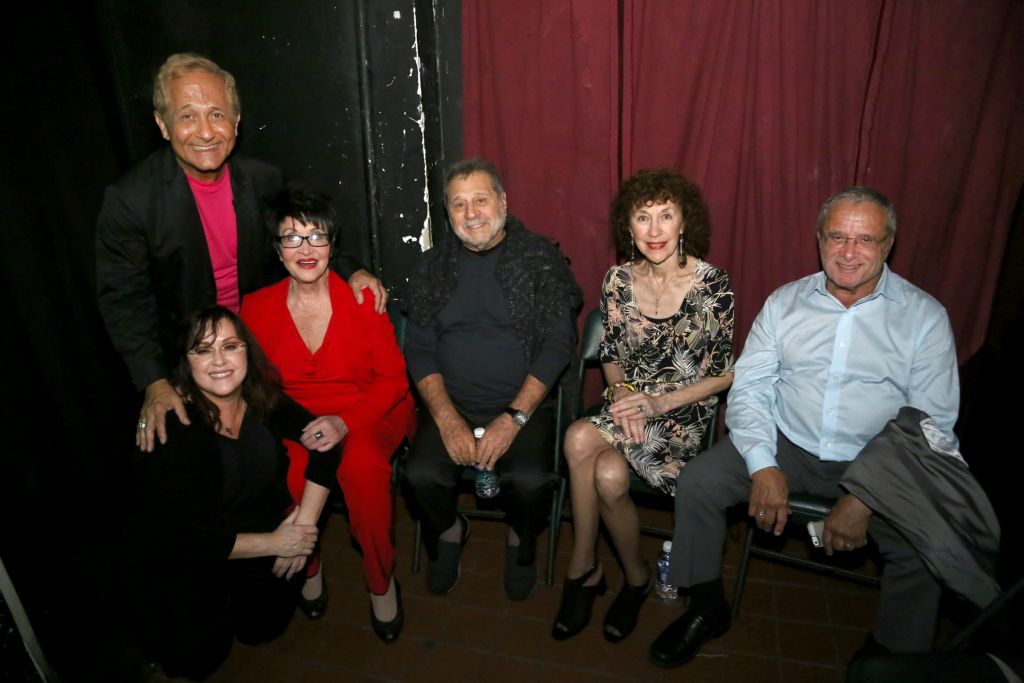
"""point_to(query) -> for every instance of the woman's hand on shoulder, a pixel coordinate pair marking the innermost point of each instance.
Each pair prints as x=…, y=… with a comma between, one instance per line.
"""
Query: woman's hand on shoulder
x=324, y=433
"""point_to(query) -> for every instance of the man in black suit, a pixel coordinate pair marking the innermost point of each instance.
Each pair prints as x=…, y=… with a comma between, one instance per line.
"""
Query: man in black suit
x=183, y=230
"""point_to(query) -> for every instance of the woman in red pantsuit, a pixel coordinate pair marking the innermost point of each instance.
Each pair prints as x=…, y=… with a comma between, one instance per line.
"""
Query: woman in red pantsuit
x=338, y=359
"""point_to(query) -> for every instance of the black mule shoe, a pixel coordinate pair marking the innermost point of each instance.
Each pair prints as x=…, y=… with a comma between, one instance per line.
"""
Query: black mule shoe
x=625, y=610
x=388, y=630
x=577, y=604
x=315, y=608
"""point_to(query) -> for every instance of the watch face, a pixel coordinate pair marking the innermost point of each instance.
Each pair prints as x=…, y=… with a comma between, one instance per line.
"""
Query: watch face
x=521, y=418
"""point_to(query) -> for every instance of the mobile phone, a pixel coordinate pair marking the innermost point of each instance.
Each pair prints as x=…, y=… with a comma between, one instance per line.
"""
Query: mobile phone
x=816, y=529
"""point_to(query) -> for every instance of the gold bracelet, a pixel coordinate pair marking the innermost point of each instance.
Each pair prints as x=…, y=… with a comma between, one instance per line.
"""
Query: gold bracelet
x=609, y=393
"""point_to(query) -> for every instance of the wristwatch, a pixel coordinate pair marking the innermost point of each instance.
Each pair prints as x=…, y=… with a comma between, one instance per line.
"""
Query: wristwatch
x=518, y=416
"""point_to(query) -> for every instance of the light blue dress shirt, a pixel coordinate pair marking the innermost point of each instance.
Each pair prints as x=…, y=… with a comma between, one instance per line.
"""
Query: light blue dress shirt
x=830, y=377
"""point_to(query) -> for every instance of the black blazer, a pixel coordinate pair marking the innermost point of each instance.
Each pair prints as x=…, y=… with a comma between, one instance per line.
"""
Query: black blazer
x=152, y=262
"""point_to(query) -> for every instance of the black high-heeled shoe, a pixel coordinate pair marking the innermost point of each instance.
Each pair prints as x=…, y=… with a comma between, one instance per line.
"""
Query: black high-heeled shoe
x=315, y=608
x=622, y=616
x=388, y=631
x=577, y=604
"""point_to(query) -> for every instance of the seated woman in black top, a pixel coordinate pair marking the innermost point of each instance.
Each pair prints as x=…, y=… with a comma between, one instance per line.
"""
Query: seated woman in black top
x=218, y=546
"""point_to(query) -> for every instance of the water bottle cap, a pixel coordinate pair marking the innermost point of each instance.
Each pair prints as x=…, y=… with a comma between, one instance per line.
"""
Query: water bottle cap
x=478, y=432
x=666, y=547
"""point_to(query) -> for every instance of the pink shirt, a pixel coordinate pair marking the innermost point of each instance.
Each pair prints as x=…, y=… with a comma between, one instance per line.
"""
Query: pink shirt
x=217, y=212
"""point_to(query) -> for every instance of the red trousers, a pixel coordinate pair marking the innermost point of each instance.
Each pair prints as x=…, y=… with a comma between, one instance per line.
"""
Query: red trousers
x=365, y=478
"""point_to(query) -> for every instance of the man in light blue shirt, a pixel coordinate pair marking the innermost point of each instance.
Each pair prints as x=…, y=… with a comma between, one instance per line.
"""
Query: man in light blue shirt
x=830, y=359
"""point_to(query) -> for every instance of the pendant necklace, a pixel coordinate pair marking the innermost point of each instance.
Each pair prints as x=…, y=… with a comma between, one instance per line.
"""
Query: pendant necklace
x=657, y=295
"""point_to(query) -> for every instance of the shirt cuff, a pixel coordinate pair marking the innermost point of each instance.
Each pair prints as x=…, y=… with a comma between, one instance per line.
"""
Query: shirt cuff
x=759, y=458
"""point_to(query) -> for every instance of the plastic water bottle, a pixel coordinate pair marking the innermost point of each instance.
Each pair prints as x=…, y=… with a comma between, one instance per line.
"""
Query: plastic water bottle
x=665, y=591
x=486, y=480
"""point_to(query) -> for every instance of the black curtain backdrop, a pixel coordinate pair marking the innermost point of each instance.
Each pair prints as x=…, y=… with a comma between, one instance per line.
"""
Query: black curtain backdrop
x=320, y=83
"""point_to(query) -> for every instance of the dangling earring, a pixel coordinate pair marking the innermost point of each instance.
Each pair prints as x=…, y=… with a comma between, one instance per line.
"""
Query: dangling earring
x=682, y=254
x=632, y=249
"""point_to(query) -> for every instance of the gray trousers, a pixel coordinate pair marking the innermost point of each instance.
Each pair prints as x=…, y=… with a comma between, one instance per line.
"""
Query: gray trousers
x=717, y=479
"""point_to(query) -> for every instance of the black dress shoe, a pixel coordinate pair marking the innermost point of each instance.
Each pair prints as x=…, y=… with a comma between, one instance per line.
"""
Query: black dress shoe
x=388, y=631
x=682, y=640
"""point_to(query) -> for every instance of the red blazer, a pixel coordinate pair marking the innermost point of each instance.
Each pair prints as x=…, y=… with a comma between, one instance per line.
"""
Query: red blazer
x=357, y=373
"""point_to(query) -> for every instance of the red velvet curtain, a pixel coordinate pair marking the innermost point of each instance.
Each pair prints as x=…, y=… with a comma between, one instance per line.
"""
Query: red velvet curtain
x=770, y=107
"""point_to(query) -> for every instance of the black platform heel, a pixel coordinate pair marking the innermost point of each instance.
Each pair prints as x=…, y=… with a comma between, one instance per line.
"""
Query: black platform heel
x=625, y=610
x=577, y=604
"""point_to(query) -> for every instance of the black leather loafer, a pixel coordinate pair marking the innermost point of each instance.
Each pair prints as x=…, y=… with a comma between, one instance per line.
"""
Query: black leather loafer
x=682, y=640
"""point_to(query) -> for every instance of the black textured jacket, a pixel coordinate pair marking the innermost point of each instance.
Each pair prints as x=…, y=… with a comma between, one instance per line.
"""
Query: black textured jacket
x=534, y=275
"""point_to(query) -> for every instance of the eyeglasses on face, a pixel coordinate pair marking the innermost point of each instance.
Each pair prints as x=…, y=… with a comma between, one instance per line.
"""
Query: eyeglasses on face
x=293, y=241
x=228, y=348
x=838, y=240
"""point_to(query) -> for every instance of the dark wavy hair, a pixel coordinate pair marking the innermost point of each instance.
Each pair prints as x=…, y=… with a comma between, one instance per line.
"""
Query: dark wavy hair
x=654, y=186
x=302, y=203
x=261, y=387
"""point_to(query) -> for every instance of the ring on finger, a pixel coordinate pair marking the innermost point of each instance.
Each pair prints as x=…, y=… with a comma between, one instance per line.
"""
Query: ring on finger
x=318, y=435
x=141, y=425
x=761, y=513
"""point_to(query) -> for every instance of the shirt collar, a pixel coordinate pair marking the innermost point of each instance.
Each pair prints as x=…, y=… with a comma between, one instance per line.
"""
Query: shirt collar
x=888, y=286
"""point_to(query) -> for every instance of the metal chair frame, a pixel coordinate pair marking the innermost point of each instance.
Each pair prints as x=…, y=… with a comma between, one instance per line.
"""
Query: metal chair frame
x=804, y=508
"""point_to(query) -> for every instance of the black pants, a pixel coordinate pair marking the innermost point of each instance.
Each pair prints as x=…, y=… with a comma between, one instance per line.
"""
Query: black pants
x=430, y=478
x=190, y=624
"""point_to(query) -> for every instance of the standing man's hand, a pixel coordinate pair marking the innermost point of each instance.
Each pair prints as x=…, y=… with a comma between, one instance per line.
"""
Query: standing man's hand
x=160, y=397
x=363, y=279
x=769, y=500
x=498, y=437
x=846, y=527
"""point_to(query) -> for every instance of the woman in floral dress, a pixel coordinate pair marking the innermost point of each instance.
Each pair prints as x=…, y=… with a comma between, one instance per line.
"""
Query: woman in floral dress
x=666, y=354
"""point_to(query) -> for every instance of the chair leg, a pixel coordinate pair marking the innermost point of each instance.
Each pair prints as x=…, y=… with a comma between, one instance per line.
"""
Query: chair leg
x=416, y=543
x=554, y=530
x=741, y=576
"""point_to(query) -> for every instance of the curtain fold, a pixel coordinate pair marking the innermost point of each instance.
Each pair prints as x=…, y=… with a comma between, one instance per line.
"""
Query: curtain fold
x=770, y=107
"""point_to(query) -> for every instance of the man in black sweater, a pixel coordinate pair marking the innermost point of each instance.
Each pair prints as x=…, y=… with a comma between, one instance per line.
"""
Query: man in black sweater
x=492, y=330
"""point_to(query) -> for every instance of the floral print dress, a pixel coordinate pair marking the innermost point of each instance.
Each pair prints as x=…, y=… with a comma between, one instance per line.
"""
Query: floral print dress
x=661, y=355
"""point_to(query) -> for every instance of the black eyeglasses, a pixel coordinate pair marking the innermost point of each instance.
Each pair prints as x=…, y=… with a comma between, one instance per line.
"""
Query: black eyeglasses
x=293, y=241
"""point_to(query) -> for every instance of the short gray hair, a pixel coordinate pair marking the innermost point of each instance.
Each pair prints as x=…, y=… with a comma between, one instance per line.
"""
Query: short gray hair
x=858, y=194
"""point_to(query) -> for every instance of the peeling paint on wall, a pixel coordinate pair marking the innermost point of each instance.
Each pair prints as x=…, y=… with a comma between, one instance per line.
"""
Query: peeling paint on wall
x=426, y=235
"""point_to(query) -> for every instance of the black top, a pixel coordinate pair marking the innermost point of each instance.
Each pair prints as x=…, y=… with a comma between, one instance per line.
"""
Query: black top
x=473, y=343
x=539, y=290
x=201, y=489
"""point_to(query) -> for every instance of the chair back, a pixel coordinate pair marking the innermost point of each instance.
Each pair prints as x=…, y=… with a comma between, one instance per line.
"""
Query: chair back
x=593, y=328
x=398, y=322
